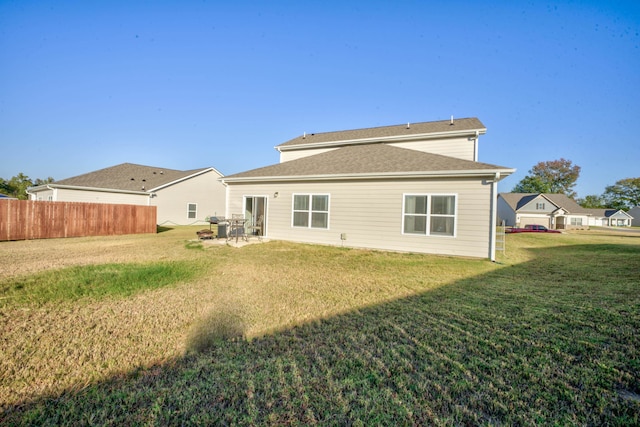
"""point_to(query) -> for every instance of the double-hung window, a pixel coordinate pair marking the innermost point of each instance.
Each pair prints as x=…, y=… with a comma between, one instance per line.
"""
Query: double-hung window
x=311, y=210
x=192, y=210
x=429, y=214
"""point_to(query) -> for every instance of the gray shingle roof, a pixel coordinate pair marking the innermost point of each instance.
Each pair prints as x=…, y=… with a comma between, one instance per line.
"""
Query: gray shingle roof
x=518, y=200
x=364, y=160
x=604, y=213
x=465, y=124
x=127, y=177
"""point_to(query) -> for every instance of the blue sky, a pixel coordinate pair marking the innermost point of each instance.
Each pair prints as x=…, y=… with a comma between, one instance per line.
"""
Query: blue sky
x=191, y=84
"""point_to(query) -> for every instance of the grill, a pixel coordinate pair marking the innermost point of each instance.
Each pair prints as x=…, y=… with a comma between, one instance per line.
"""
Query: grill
x=215, y=220
x=217, y=228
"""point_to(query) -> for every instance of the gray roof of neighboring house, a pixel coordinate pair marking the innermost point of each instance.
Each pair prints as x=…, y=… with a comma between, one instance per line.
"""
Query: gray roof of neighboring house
x=380, y=159
x=518, y=200
x=438, y=127
x=128, y=177
x=606, y=213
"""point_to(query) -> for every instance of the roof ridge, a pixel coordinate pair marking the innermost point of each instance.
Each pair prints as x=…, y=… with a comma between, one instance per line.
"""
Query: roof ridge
x=390, y=126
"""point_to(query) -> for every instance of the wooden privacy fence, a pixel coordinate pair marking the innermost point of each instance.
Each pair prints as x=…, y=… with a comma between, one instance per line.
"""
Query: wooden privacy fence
x=27, y=219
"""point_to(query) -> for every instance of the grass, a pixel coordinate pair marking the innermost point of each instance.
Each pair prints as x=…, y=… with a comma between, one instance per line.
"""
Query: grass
x=92, y=281
x=280, y=333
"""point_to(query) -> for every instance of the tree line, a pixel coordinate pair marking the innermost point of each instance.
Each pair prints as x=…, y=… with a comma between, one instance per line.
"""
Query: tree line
x=16, y=187
x=560, y=176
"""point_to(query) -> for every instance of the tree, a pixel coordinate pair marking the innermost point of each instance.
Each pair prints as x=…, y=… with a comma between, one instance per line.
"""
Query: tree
x=555, y=176
x=532, y=184
x=624, y=194
x=39, y=181
x=17, y=185
x=592, y=201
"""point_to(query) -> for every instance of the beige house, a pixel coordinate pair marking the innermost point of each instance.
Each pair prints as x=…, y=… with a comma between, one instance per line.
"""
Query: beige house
x=182, y=197
x=554, y=211
x=417, y=187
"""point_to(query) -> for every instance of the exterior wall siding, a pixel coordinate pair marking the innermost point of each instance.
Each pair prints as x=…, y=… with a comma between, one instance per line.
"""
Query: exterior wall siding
x=506, y=213
x=204, y=190
x=370, y=214
x=460, y=148
x=67, y=195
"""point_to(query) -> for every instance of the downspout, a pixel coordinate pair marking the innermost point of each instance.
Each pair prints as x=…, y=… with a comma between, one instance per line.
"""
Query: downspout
x=475, y=147
x=54, y=193
x=493, y=217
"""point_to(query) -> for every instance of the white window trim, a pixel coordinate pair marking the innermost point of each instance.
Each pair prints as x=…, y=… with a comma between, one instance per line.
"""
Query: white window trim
x=189, y=210
x=428, y=215
x=310, y=195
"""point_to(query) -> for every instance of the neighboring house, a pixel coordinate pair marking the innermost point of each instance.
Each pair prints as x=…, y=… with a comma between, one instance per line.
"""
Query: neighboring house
x=182, y=197
x=416, y=187
x=635, y=213
x=609, y=218
x=555, y=211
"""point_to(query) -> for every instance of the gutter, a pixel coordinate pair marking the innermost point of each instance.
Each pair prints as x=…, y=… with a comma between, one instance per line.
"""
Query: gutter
x=501, y=173
x=104, y=190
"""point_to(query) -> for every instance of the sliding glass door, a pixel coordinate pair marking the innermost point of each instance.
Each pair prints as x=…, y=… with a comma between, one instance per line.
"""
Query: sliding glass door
x=255, y=211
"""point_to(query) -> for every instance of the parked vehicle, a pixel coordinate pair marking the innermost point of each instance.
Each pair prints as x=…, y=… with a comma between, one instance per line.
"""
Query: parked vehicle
x=531, y=228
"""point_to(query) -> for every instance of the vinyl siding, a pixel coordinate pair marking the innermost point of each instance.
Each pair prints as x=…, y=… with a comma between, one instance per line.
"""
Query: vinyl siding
x=205, y=190
x=370, y=213
x=506, y=213
x=460, y=148
x=43, y=195
x=531, y=207
x=87, y=196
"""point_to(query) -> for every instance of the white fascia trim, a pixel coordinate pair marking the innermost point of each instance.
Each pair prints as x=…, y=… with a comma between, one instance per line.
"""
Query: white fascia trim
x=503, y=173
x=185, y=178
x=77, y=187
x=404, y=138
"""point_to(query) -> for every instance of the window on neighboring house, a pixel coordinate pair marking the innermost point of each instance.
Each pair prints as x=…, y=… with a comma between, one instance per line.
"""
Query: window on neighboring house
x=540, y=206
x=311, y=210
x=429, y=214
x=576, y=221
x=50, y=198
x=192, y=210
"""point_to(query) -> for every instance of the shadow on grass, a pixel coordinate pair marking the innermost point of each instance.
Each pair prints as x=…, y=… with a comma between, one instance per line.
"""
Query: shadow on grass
x=534, y=343
x=162, y=229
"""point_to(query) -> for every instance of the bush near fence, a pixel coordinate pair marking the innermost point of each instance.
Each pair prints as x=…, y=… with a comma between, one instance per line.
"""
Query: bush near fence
x=28, y=219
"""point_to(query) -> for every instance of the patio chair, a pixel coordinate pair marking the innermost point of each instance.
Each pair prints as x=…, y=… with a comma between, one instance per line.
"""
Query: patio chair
x=237, y=227
x=255, y=229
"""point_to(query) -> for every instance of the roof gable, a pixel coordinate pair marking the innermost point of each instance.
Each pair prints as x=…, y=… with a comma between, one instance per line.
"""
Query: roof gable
x=373, y=159
x=519, y=201
x=128, y=177
x=381, y=134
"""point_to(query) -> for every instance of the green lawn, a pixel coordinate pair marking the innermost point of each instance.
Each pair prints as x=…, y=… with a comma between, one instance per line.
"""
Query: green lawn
x=286, y=334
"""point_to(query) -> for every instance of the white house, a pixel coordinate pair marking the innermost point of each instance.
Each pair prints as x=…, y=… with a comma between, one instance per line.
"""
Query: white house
x=182, y=197
x=415, y=187
x=609, y=218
